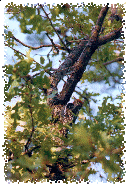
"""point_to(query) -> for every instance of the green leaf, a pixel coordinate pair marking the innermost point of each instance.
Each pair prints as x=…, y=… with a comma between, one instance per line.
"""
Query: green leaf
x=10, y=34
x=38, y=81
x=36, y=68
x=42, y=60
x=8, y=69
x=46, y=81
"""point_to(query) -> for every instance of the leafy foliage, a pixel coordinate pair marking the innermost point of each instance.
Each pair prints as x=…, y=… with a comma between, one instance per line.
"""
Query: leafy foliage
x=32, y=143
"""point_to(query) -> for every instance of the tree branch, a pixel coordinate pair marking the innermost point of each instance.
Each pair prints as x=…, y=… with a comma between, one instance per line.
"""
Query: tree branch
x=66, y=66
x=85, y=56
x=111, y=75
x=117, y=151
x=67, y=49
x=115, y=34
x=115, y=60
x=35, y=48
x=33, y=128
x=17, y=51
x=76, y=75
x=109, y=62
x=73, y=57
x=29, y=152
x=53, y=44
x=96, y=30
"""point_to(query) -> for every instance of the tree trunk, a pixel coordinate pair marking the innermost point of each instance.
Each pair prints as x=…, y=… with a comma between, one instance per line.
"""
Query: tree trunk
x=74, y=65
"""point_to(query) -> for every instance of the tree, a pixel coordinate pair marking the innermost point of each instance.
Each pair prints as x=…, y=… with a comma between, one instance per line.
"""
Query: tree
x=49, y=133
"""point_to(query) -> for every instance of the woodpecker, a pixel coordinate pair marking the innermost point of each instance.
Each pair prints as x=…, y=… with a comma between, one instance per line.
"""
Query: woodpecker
x=70, y=106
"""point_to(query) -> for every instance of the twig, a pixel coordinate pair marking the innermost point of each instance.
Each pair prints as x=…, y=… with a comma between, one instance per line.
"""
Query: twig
x=115, y=60
x=14, y=49
x=33, y=129
x=35, y=48
x=29, y=152
x=17, y=51
x=109, y=62
x=68, y=50
x=53, y=43
x=117, y=151
x=77, y=41
x=111, y=75
x=82, y=95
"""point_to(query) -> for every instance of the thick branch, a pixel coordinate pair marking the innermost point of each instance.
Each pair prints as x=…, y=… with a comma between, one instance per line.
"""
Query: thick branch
x=80, y=65
x=66, y=66
x=115, y=34
x=76, y=75
x=73, y=57
x=96, y=30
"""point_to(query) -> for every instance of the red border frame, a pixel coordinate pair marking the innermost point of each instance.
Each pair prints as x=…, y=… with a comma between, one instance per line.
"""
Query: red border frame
x=3, y=81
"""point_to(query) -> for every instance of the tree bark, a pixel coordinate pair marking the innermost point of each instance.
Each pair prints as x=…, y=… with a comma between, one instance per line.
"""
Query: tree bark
x=74, y=65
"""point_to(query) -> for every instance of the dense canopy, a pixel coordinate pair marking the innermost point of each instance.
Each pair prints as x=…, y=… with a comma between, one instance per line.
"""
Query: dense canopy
x=63, y=93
